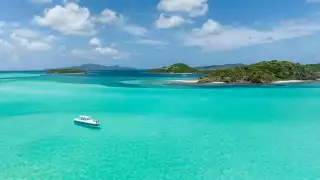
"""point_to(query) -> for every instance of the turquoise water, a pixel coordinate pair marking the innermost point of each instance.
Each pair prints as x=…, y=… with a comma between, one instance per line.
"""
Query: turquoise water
x=152, y=129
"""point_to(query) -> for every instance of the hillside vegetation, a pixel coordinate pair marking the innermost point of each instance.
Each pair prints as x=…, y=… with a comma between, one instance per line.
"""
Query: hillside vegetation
x=213, y=67
x=66, y=71
x=175, y=68
x=262, y=73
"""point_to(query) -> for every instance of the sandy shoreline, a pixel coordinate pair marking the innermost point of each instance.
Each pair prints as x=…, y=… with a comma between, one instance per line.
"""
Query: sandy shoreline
x=275, y=82
x=290, y=81
x=194, y=81
x=67, y=73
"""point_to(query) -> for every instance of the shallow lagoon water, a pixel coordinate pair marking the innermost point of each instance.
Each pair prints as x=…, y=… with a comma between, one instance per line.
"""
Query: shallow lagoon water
x=154, y=130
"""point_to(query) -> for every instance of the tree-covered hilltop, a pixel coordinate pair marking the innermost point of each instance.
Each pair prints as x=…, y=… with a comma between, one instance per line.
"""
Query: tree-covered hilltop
x=66, y=71
x=262, y=73
x=315, y=67
x=175, y=68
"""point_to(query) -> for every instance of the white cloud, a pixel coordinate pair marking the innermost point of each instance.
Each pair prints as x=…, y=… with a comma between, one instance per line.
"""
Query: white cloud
x=109, y=17
x=49, y=38
x=32, y=40
x=7, y=26
x=77, y=52
x=38, y=46
x=112, y=18
x=7, y=51
x=106, y=51
x=135, y=30
x=33, y=34
x=169, y=22
x=214, y=36
x=21, y=41
x=101, y=52
x=69, y=20
x=95, y=42
x=34, y=45
x=192, y=7
x=26, y=33
x=111, y=52
x=5, y=46
x=149, y=42
x=41, y=1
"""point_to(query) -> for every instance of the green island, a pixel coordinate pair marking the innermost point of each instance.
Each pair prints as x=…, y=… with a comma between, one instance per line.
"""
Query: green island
x=66, y=71
x=175, y=68
x=262, y=73
x=259, y=73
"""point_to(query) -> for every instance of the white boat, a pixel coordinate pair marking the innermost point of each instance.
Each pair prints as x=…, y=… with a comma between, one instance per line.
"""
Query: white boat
x=86, y=121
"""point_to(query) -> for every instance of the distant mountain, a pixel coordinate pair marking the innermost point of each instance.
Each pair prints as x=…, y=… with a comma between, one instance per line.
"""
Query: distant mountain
x=219, y=66
x=92, y=67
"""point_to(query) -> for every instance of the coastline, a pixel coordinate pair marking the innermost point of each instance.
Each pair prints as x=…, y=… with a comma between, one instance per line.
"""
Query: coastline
x=291, y=81
x=275, y=82
x=67, y=73
x=172, y=73
x=194, y=81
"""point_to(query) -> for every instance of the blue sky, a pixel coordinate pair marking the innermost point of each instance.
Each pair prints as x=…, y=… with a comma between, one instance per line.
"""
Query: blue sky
x=36, y=34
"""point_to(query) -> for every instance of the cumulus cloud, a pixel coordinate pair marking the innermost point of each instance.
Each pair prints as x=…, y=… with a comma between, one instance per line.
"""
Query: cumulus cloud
x=135, y=30
x=95, y=41
x=101, y=52
x=214, y=36
x=26, y=33
x=5, y=47
x=49, y=38
x=7, y=50
x=149, y=42
x=33, y=34
x=169, y=22
x=109, y=16
x=192, y=7
x=70, y=19
x=108, y=51
x=5, y=44
x=6, y=26
x=111, y=52
x=112, y=18
x=31, y=45
x=38, y=46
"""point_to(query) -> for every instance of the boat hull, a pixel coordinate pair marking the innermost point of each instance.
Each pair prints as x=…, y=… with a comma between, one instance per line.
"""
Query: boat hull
x=86, y=124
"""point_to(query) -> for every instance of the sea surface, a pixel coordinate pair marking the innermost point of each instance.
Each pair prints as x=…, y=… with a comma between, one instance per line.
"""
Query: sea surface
x=153, y=129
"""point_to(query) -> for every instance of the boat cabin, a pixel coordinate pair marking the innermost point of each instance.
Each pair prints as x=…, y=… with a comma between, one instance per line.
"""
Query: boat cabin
x=85, y=118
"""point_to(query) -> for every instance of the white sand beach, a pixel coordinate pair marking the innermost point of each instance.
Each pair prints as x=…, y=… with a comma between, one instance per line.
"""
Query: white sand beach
x=275, y=82
x=289, y=81
x=193, y=81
